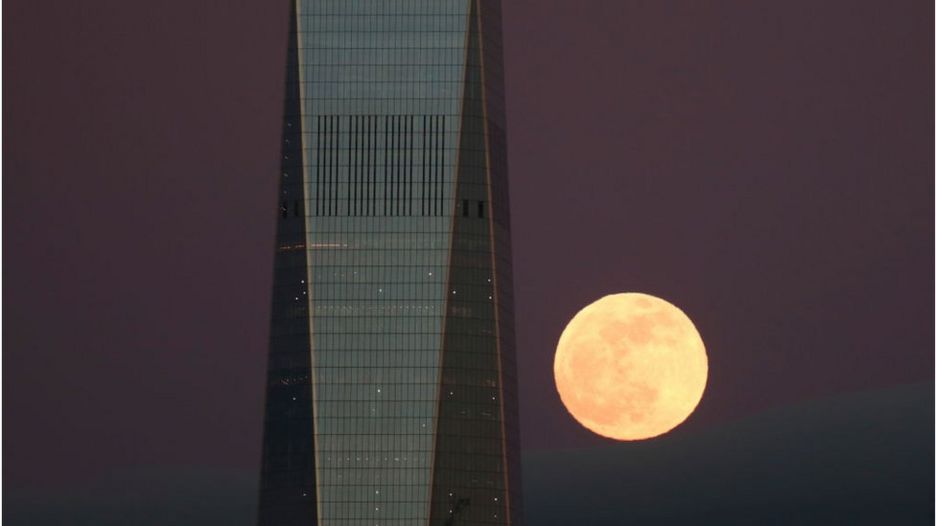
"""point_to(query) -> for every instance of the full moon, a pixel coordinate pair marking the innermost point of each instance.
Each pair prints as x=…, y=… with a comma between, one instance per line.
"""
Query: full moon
x=630, y=366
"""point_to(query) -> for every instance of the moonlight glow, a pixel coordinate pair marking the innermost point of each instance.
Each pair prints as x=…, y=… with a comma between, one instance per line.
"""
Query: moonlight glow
x=630, y=366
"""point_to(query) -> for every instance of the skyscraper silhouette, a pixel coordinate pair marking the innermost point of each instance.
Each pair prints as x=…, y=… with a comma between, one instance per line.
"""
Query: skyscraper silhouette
x=391, y=389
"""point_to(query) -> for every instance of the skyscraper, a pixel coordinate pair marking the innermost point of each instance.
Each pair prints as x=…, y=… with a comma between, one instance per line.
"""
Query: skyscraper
x=391, y=388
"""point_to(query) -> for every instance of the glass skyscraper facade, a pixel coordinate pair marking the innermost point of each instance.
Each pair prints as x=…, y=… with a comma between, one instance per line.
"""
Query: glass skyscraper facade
x=391, y=388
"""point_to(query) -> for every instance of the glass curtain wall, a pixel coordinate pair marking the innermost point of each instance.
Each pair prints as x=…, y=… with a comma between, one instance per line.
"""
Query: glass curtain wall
x=381, y=93
x=390, y=397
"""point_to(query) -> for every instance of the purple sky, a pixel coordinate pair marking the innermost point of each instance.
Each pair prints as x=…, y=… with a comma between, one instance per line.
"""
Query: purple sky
x=765, y=166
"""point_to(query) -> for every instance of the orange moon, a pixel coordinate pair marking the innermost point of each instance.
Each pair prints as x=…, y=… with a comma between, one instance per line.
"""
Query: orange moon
x=630, y=366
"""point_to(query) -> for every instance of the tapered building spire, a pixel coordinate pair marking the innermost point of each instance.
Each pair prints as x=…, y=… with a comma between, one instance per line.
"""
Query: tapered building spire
x=391, y=389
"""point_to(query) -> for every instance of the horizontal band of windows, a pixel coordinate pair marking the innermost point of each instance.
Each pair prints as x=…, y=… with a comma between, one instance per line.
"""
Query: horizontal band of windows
x=428, y=250
x=493, y=444
x=400, y=100
x=340, y=340
x=479, y=398
x=339, y=376
x=413, y=71
x=345, y=291
x=321, y=297
x=370, y=82
x=375, y=316
x=391, y=370
x=398, y=10
x=359, y=427
x=395, y=12
x=323, y=327
x=361, y=409
x=486, y=466
x=445, y=56
x=319, y=27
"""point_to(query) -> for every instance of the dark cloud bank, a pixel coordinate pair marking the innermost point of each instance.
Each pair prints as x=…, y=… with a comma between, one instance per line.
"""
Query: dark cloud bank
x=863, y=458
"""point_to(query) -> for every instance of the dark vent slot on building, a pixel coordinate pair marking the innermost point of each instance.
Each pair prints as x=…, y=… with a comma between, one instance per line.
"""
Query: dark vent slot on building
x=481, y=209
x=377, y=165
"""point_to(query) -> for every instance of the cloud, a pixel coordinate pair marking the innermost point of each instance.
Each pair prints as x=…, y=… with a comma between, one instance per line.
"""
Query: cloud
x=864, y=458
